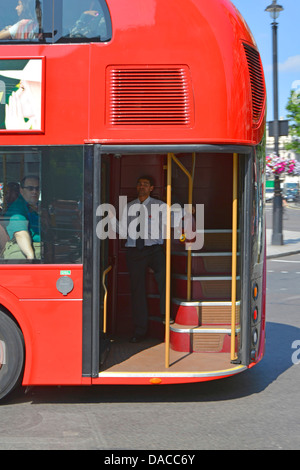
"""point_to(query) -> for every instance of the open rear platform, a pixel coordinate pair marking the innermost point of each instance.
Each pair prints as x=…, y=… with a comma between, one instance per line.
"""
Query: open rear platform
x=148, y=356
x=203, y=281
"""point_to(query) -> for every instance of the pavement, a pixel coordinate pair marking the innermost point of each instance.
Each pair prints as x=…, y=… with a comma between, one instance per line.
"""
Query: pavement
x=291, y=231
x=291, y=244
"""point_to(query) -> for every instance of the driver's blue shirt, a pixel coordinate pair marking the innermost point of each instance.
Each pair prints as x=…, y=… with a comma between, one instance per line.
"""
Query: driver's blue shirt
x=19, y=217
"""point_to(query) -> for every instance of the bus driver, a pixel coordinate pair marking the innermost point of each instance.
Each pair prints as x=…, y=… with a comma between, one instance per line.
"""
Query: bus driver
x=23, y=222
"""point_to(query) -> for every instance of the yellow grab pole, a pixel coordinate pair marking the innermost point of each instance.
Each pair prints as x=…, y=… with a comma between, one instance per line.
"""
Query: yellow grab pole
x=189, y=260
x=105, y=298
x=168, y=263
x=190, y=200
x=234, y=253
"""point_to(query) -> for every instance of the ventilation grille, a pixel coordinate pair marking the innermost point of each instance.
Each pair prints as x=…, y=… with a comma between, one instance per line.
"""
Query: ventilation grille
x=149, y=96
x=257, y=81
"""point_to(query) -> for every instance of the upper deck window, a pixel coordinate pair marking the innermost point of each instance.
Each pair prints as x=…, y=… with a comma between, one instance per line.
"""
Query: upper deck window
x=52, y=21
x=85, y=19
x=20, y=20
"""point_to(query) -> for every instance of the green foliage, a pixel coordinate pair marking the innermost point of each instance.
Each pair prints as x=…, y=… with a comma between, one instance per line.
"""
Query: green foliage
x=293, y=108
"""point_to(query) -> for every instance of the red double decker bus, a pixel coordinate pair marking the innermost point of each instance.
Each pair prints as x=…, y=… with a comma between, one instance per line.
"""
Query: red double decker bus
x=94, y=94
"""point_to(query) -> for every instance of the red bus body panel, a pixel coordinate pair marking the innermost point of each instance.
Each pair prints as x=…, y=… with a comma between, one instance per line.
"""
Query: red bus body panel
x=51, y=324
x=206, y=38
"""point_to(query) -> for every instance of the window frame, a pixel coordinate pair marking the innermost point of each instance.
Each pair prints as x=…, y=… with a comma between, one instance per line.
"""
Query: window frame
x=43, y=152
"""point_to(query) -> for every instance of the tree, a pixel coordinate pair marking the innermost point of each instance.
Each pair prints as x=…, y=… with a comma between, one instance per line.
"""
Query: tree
x=293, y=108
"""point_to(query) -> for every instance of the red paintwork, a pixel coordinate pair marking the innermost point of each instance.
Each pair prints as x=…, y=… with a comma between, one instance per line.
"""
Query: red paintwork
x=206, y=37
x=50, y=322
x=185, y=315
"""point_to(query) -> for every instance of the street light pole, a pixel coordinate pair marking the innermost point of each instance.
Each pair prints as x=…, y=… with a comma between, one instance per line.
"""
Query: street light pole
x=275, y=88
x=277, y=236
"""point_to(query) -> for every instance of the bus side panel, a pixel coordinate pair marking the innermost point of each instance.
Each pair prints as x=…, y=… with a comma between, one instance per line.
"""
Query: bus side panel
x=57, y=336
x=50, y=321
x=66, y=94
x=80, y=93
x=10, y=303
x=35, y=281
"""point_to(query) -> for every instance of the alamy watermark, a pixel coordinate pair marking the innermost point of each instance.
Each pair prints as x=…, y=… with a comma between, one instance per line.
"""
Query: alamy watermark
x=2, y=353
x=296, y=354
x=151, y=223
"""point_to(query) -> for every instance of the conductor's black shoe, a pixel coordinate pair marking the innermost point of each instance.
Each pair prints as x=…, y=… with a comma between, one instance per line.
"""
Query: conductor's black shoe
x=137, y=338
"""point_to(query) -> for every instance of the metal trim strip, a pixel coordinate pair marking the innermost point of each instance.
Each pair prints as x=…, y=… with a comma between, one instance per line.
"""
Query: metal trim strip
x=234, y=370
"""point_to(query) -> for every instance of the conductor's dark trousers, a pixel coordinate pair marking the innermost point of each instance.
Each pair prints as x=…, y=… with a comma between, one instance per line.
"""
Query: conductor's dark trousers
x=138, y=260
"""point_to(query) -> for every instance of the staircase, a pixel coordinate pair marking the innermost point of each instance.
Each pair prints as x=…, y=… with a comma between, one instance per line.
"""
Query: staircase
x=203, y=323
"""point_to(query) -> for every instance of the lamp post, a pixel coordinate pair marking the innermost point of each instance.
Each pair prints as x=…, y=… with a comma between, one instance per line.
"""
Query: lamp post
x=277, y=237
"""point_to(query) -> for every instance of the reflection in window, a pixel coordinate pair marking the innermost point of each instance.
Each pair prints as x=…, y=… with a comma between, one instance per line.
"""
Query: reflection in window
x=21, y=20
x=54, y=21
x=257, y=229
x=62, y=201
x=20, y=206
x=41, y=205
x=84, y=19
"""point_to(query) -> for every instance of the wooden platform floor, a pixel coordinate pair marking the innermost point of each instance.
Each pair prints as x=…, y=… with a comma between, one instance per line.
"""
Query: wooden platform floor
x=149, y=356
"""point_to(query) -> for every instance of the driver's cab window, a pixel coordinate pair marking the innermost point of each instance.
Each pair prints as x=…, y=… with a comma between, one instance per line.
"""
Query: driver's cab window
x=41, y=205
x=20, y=228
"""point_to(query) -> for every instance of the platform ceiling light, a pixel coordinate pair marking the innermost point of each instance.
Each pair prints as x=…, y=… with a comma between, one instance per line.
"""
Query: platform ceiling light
x=274, y=9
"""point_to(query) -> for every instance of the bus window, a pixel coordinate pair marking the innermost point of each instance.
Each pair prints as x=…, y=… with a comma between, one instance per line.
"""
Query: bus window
x=21, y=192
x=41, y=205
x=257, y=223
x=83, y=20
x=21, y=20
x=62, y=173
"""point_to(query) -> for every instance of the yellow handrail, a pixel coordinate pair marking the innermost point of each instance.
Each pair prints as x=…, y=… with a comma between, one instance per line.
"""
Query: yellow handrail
x=105, y=297
x=168, y=263
x=234, y=253
x=190, y=176
x=190, y=201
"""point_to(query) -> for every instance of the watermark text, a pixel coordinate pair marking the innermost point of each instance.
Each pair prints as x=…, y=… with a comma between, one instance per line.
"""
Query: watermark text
x=152, y=222
x=296, y=353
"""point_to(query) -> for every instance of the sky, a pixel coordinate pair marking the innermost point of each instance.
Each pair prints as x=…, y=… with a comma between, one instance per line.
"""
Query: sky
x=259, y=22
